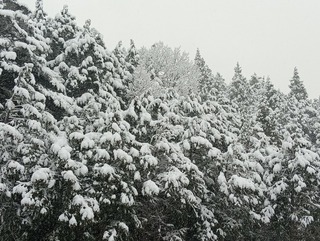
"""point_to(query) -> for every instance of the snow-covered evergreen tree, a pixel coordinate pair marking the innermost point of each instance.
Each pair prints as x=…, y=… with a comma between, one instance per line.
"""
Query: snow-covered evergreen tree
x=210, y=86
x=238, y=90
x=269, y=111
x=132, y=57
x=206, y=76
x=61, y=29
x=296, y=86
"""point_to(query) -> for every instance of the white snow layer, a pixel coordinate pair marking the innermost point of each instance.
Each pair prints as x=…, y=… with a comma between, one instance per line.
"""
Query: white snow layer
x=150, y=188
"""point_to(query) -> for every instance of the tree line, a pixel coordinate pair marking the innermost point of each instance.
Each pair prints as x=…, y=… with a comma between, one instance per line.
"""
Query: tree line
x=146, y=144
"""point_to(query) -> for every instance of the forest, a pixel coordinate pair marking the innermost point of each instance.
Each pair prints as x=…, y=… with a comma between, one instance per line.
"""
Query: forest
x=146, y=144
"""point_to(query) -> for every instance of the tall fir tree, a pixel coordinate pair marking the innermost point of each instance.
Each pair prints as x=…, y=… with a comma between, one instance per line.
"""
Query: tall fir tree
x=206, y=77
x=132, y=58
x=297, y=88
x=269, y=112
x=238, y=90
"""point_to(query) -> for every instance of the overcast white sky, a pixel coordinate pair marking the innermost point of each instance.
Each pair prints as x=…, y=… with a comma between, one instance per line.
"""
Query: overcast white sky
x=269, y=37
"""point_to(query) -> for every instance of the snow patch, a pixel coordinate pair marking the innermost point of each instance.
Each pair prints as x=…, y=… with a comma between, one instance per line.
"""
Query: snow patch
x=150, y=188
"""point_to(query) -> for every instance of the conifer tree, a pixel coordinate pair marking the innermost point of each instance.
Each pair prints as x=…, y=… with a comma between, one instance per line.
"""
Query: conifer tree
x=28, y=171
x=132, y=57
x=238, y=90
x=165, y=133
x=269, y=111
x=297, y=88
x=60, y=29
x=206, y=76
x=121, y=72
x=292, y=184
x=240, y=96
x=219, y=86
x=39, y=9
x=18, y=49
x=210, y=86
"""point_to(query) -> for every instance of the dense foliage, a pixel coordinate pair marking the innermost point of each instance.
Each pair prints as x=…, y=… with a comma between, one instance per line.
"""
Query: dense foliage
x=146, y=144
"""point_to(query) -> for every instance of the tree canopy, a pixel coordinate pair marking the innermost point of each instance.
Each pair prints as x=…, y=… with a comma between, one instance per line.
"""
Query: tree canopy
x=144, y=143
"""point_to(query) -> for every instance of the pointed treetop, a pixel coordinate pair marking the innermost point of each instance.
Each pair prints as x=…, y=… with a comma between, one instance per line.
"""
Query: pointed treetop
x=39, y=13
x=119, y=51
x=201, y=63
x=238, y=69
x=132, y=45
x=198, y=53
x=296, y=86
x=132, y=57
x=238, y=73
x=87, y=24
x=239, y=86
x=39, y=4
x=206, y=81
x=119, y=45
x=65, y=9
x=199, y=60
x=132, y=50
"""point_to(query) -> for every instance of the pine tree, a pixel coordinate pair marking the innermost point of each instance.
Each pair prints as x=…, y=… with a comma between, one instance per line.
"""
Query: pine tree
x=59, y=30
x=27, y=171
x=165, y=133
x=121, y=72
x=17, y=49
x=219, y=86
x=297, y=88
x=132, y=58
x=238, y=90
x=210, y=86
x=269, y=111
x=292, y=186
x=240, y=96
x=39, y=9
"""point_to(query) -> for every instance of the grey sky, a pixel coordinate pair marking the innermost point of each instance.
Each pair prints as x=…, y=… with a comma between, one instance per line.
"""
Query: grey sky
x=269, y=37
